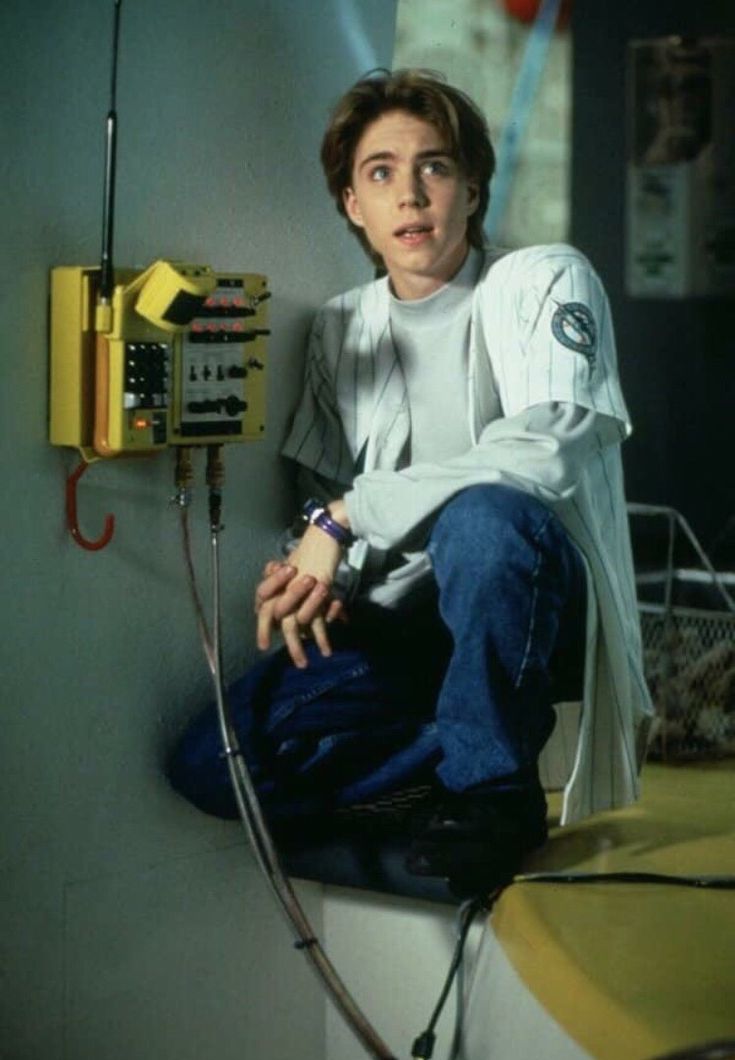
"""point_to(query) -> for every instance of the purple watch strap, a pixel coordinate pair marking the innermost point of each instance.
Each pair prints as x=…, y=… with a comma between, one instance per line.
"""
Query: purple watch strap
x=317, y=515
x=326, y=523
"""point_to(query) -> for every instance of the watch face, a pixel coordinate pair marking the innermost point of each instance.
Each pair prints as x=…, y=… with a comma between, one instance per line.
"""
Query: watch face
x=311, y=510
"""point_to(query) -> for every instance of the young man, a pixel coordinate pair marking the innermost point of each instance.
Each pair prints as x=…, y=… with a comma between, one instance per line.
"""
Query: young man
x=458, y=440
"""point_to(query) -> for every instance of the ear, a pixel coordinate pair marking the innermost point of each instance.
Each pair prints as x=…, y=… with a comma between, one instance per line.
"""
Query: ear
x=473, y=198
x=352, y=207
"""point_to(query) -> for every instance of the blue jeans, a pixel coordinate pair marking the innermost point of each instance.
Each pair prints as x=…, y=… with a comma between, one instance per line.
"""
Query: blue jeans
x=459, y=686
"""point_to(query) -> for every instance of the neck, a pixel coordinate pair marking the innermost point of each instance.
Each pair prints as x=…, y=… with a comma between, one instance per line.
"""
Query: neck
x=410, y=286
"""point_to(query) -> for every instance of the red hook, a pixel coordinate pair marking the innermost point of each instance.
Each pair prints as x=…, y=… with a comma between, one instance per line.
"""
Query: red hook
x=71, y=514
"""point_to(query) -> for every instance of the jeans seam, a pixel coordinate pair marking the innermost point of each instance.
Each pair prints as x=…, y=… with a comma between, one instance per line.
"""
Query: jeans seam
x=318, y=690
x=279, y=715
x=534, y=602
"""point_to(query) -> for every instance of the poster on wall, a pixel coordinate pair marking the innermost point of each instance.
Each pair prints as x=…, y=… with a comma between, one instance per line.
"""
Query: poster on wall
x=680, y=197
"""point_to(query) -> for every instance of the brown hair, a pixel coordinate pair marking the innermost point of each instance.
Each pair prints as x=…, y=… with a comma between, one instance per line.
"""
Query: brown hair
x=426, y=95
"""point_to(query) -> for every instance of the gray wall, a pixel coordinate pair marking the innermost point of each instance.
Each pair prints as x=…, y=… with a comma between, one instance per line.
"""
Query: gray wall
x=677, y=357
x=132, y=926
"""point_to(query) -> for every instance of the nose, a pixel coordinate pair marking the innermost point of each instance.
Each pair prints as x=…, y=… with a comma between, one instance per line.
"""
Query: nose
x=412, y=192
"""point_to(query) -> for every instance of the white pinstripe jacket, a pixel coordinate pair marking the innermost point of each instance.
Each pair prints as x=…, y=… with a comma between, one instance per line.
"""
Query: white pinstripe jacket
x=526, y=350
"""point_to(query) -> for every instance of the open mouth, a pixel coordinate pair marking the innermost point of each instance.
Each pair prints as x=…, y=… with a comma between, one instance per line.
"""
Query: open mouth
x=413, y=233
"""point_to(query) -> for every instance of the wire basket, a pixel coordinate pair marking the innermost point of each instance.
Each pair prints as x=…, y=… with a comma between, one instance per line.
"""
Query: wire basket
x=687, y=620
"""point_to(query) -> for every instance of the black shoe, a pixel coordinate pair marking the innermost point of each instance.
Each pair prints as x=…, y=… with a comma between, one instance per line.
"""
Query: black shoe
x=477, y=840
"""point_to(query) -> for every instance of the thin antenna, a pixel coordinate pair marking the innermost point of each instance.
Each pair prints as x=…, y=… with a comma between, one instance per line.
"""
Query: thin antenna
x=107, y=276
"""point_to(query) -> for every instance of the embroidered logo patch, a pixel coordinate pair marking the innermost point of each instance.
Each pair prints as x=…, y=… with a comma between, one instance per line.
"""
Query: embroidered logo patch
x=574, y=326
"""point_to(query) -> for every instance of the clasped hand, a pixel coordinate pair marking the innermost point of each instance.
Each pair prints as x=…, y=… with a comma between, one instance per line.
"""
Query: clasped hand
x=296, y=596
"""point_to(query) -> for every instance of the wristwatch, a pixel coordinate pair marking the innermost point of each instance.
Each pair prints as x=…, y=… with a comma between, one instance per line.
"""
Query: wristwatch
x=315, y=514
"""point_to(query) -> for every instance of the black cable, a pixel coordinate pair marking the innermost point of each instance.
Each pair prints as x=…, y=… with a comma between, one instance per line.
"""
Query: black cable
x=115, y=49
x=455, y=1048
x=423, y=1046
x=706, y=882
x=107, y=270
x=719, y=1050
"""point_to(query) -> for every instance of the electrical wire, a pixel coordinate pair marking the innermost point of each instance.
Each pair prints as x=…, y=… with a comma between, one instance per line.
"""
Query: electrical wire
x=251, y=814
x=423, y=1046
x=455, y=1048
x=719, y=1050
x=194, y=590
x=724, y=883
x=107, y=271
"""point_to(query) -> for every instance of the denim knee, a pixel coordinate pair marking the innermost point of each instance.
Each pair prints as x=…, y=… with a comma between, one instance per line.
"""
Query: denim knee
x=483, y=526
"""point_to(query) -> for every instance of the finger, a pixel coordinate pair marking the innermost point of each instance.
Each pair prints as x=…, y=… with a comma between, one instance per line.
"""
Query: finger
x=294, y=644
x=264, y=627
x=292, y=596
x=276, y=578
x=273, y=584
x=321, y=637
x=271, y=567
x=313, y=605
x=335, y=610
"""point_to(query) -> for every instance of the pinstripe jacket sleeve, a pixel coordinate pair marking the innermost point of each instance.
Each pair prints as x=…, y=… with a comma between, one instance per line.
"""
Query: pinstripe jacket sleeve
x=317, y=438
x=542, y=337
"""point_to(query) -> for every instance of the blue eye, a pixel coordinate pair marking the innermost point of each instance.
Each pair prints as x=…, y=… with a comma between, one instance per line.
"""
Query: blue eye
x=380, y=173
x=435, y=167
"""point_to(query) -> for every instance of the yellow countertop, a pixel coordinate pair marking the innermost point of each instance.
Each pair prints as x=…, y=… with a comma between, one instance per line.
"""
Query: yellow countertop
x=632, y=970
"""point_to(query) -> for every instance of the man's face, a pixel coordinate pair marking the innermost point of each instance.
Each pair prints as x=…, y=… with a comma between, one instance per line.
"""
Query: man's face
x=412, y=201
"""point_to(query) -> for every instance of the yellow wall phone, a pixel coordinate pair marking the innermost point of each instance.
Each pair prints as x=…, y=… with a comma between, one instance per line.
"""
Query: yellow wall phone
x=141, y=359
x=178, y=357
